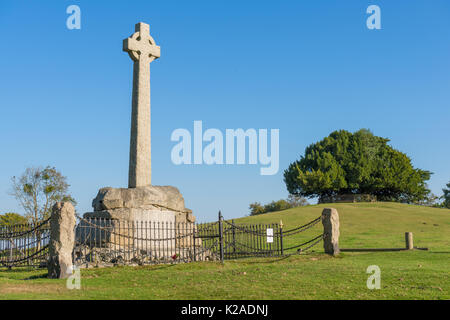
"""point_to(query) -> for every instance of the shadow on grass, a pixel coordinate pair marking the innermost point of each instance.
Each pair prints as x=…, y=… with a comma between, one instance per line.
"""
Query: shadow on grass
x=147, y=267
x=163, y=266
x=20, y=270
x=42, y=276
x=13, y=272
x=263, y=260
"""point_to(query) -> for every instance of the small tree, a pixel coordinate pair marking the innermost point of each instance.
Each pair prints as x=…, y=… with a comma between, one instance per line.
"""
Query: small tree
x=431, y=200
x=256, y=208
x=297, y=201
x=277, y=206
x=292, y=202
x=9, y=219
x=446, y=196
x=38, y=189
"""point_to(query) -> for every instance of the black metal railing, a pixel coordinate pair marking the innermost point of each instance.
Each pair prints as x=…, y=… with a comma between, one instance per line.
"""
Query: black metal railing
x=100, y=241
x=237, y=240
x=24, y=244
x=103, y=242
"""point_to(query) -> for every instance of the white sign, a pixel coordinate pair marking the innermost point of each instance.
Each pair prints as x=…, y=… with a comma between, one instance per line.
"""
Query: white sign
x=269, y=233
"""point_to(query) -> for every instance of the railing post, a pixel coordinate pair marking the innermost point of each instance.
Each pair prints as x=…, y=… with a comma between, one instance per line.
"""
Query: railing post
x=409, y=240
x=234, y=236
x=330, y=221
x=281, y=237
x=194, y=230
x=221, y=235
x=11, y=241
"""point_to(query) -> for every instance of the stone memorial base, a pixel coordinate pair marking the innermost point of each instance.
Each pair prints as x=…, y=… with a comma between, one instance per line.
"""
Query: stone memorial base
x=131, y=203
x=135, y=215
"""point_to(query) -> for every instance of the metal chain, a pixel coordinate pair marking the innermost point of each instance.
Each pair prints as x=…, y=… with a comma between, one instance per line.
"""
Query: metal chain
x=11, y=234
x=29, y=243
x=170, y=209
x=313, y=244
x=208, y=248
x=305, y=227
x=132, y=237
x=246, y=230
x=197, y=254
x=12, y=262
x=318, y=239
x=249, y=247
x=287, y=233
x=248, y=252
x=206, y=229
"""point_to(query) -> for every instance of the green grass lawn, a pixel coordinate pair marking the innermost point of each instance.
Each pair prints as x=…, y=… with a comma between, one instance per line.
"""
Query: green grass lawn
x=313, y=275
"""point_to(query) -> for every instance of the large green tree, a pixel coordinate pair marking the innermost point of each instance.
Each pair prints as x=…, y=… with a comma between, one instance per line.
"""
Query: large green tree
x=356, y=163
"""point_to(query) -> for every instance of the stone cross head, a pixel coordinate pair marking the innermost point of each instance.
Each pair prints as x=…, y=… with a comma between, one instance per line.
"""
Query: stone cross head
x=141, y=46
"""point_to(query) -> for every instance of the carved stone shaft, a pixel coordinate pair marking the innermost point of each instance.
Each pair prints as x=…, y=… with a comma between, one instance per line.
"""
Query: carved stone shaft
x=142, y=49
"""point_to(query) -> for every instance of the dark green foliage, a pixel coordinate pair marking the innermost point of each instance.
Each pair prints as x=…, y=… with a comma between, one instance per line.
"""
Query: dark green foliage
x=277, y=206
x=446, y=196
x=10, y=219
x=256, y=208
x=358, y=163
x=292, y=202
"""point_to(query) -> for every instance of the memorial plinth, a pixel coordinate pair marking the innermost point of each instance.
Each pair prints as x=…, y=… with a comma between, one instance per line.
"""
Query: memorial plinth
x=149, y=203
x=133, y=215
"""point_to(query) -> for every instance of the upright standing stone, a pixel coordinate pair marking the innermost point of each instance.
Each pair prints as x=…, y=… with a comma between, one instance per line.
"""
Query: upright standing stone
x=142, y=49
x=62, y=238
x=409, y=240
x=330, y=221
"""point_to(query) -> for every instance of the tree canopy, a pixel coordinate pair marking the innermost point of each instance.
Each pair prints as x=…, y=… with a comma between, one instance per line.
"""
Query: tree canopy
x=38, y=189
x=11, y=218
x=446, y=197
x=292, y=201
x=356, y=163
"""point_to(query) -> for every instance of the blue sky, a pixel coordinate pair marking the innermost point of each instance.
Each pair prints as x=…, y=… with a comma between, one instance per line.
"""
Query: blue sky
x=304, y=67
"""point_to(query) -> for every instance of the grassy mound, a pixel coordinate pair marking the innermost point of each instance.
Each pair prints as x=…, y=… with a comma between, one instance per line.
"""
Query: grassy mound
x=370, y=225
